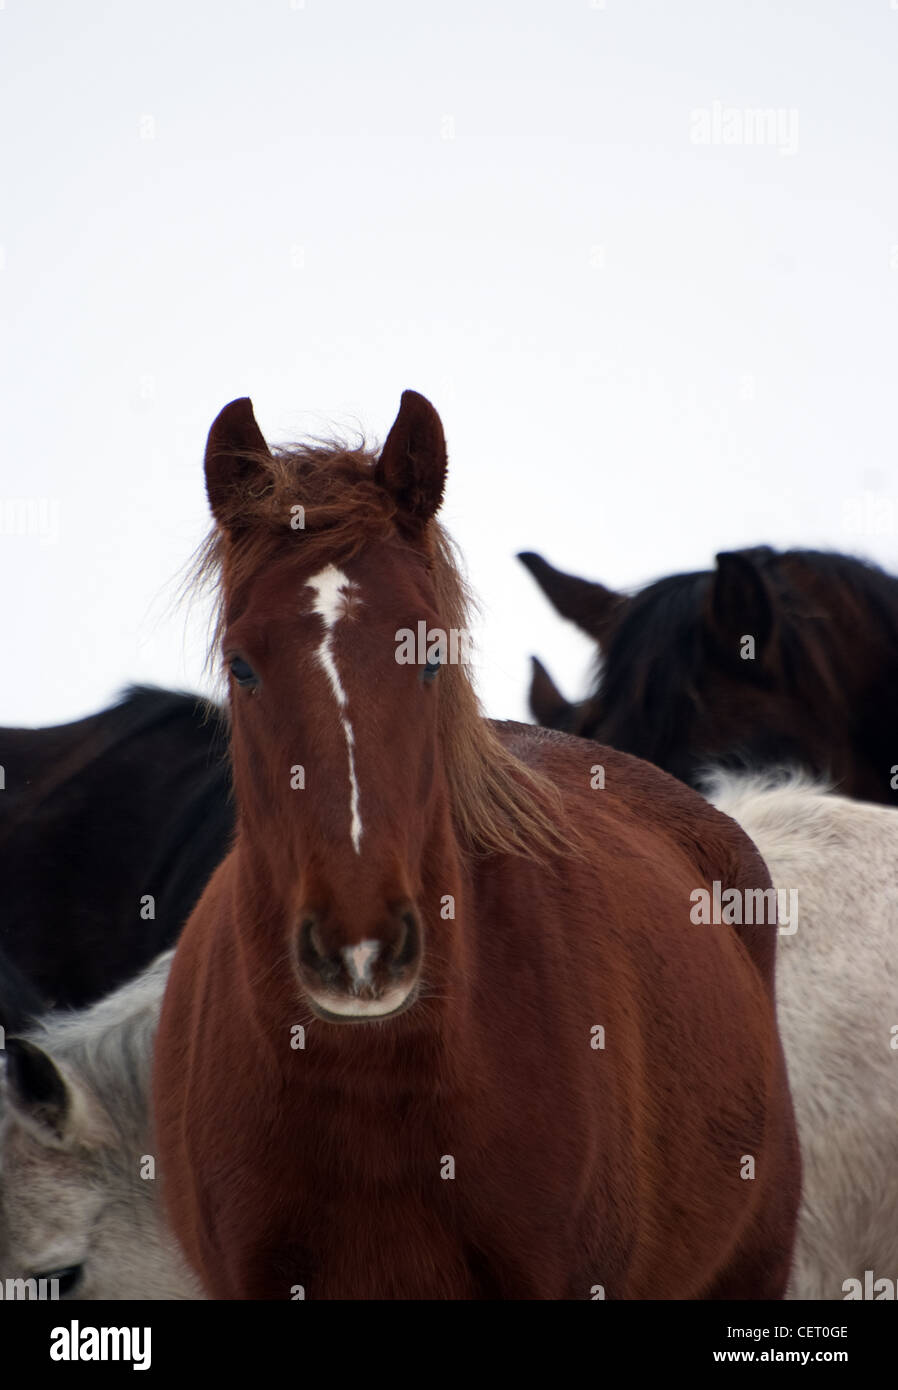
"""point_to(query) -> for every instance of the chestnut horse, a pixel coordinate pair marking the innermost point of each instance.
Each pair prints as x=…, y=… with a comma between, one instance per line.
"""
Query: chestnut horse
x=442, y=1024
x=681, y=685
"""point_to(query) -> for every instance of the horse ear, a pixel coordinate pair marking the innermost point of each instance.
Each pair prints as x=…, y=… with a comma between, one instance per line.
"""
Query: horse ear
x=547, y=704
x=232, y=451
x=412, y=463
x=37, y=1090
x=591, y=606
x=739, y=604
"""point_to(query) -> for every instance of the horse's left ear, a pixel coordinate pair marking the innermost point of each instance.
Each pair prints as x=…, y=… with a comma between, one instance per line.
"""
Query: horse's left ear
x=233, y=449
x=595, y=609
x=412, y=464
x=739, y=605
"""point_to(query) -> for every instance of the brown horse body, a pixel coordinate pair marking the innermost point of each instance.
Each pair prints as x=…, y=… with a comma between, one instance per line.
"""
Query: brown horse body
x=483, y=1138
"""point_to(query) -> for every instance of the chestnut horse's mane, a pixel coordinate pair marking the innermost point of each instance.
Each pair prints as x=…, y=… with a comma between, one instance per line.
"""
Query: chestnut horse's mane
x=500, y=805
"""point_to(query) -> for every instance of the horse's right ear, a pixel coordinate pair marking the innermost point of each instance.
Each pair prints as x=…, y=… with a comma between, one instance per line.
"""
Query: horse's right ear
x=739, y=605
x=547, y=704
x=593, y=608
x=232, y=452
x=37, y=1090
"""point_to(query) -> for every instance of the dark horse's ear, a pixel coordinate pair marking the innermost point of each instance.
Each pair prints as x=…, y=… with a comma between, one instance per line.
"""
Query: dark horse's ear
x=234, y=444
x=547, y=704
x=739, y=604
x=412, y=463
x=592, y=607
x=37, y=1090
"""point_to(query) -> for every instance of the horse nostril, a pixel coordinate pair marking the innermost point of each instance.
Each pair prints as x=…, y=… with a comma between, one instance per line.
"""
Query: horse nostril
x=311, y=948
x=406, y=948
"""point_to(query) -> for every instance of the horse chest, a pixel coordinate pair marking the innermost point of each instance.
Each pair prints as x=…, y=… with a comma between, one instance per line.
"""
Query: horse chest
x=376, y=1199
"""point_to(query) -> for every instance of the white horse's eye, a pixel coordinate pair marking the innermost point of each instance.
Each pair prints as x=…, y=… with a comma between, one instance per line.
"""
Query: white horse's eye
x=69, y=1277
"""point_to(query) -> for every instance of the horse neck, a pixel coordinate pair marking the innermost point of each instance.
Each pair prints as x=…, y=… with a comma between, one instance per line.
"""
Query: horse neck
x=858, y=664
x=854, y=621
x=874, y=738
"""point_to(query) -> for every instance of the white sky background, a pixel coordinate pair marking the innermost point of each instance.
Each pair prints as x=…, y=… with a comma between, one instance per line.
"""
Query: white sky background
x=643, y=349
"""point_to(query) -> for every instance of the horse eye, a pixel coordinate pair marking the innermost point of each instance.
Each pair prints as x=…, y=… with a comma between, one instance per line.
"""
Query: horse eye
x=68, y=1277
x=430, y=671
x=242, y=672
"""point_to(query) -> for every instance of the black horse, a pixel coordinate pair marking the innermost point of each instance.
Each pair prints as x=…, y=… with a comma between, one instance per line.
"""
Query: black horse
x=20, y=1003
x=109, y=830
x=772, y=659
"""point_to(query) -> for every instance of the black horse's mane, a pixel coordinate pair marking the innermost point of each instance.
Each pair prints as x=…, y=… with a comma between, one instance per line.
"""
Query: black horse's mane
x=647, y=683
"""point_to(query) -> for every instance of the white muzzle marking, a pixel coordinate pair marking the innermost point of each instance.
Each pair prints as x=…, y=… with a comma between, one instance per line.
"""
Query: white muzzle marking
x=359, y=960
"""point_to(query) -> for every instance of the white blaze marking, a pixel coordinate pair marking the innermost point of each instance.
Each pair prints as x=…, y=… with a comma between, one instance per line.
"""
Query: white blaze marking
x=332, y=589
x=358, y=961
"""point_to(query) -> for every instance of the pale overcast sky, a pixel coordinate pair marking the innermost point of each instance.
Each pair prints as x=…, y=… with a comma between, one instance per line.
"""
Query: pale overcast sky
x=641, y=255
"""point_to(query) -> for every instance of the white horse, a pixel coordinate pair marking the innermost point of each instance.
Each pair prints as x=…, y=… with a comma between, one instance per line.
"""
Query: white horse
x=837, y=1000
x=78, y=1201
